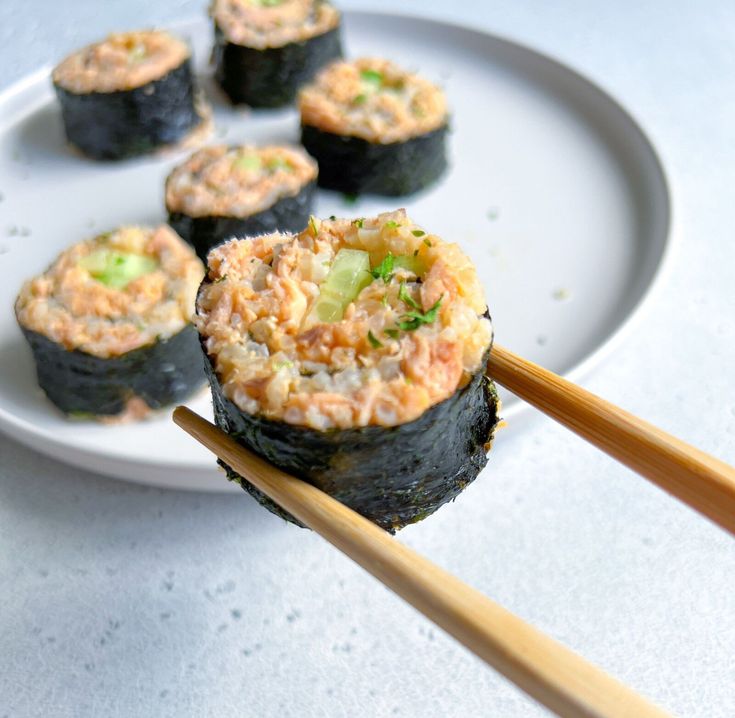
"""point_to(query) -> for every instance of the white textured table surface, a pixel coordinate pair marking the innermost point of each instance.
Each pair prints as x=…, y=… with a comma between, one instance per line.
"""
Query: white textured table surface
x=116, y=600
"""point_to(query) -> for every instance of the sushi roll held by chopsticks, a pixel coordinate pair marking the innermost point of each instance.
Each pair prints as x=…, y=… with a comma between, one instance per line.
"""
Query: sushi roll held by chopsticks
x=129, y=95
x=374, y=128
x=353, y=356
x=109, y=324
x=265, y=50
x=222, y=192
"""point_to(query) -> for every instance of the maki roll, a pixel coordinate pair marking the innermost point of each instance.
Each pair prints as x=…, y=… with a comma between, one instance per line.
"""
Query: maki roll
x=222, y=192
x=128, y=95
x=109, y=324
x=265, y=50
x=353, y=356
x=374, y=128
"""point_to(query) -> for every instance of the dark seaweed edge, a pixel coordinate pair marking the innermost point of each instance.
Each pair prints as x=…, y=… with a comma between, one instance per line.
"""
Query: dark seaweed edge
x=271, y=77
x=393, y=476
x=356, y=166
x=288, y=214
x=129, y=123
x=83, y=385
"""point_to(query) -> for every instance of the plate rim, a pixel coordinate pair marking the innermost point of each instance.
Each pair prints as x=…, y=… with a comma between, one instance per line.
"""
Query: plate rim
x=44, y=441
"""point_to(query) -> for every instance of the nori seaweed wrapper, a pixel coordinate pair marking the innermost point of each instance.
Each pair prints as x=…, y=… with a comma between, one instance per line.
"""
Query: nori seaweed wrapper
x=393, y=476
x=162, y=373
x=127, y=123
x=355, y=166
x=271, y=77
x=289, y=214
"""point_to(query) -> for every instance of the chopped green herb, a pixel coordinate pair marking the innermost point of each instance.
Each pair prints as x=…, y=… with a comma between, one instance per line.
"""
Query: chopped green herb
x=427, y=242
x=413, y=320
x=313, y=225
x=332, y=217
x=384, y=300
x=384, y=270
x=359, y=99
x=418, y=232
x=415, y=252
x=359, y=223
x=372, y=77
x=392, y=333
x=392, y=224
x=374, y=343
x=404, y=296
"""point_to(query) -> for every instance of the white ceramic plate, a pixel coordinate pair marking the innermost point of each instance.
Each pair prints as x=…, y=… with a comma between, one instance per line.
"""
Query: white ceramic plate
x=553, y=190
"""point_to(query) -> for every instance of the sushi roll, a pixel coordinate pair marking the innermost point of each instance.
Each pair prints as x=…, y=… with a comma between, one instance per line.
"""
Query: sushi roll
x=109, y=324
x=374, y=128
x=353, y=356
x=222, y=192
x=128, y=95
x=265, y=50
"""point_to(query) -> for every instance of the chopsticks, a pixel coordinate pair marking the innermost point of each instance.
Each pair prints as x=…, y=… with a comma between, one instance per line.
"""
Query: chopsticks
x=696, y=478
x=543, y=668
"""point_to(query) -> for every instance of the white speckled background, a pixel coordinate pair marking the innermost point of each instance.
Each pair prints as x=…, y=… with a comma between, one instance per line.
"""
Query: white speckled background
x=116, y=600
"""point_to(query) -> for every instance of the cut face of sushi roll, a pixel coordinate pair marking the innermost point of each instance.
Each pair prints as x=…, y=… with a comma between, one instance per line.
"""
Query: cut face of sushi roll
x=374, y=128
x=352, y=355
x=265, y=50
x=109, y=324
x=128, y=95
x=222, y=192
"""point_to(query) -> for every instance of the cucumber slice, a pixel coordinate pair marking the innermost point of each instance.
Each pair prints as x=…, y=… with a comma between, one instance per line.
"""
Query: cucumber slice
x=248, y=162
x=415, y=265
x=348, y=276
x=117, y=269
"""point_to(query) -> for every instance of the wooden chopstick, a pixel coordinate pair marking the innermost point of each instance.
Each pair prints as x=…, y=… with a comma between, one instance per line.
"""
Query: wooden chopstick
x=543, y=668
x=696, y=478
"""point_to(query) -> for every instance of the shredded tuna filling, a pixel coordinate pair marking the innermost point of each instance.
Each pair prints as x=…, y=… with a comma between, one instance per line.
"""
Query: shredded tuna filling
x=224, y=181
x=372, y=99
x=275, y=358
x=275, y=23
x=73, y=308
x=123, y=61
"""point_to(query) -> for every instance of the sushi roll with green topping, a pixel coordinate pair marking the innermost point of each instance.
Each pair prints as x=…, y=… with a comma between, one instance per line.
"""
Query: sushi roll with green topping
x=129, y=95
x=265, y=50
x=109, y=324
x=353, y=356
x=374, y=128
x=222, y=192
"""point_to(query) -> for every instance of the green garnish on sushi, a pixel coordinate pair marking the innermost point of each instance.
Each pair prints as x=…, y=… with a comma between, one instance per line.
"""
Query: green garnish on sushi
x=117, y=269
x=348, y=276
x=372, y=78
x=384, y=270
x=374, y=343
x=413, y=320
x=248, y=162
